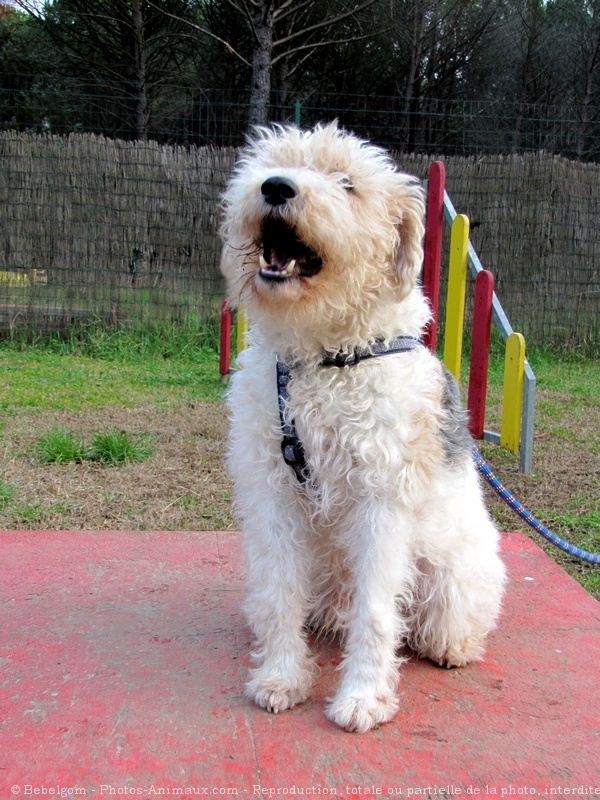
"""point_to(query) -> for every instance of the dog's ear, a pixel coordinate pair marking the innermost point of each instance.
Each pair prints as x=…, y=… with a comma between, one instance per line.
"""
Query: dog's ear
x=410, y=211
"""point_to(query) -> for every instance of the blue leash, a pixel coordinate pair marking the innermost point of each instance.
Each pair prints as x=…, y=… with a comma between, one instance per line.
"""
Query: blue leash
x=527, y=516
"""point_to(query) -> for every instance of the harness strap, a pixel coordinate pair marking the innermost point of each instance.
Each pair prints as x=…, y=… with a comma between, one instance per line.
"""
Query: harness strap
x=401, y=344
x=291, y=446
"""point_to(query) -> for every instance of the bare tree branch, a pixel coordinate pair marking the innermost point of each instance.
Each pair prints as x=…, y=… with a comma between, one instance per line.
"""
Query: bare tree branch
x=245, y=12
x=205, y=31
x=243, y=9
x=316, y=45
x=324, y=24
x=291, y=7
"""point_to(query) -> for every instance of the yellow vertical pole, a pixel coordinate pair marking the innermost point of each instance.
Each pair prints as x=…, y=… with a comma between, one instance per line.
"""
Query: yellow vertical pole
x=241, y=329
x=457, y=288
x=512, y=400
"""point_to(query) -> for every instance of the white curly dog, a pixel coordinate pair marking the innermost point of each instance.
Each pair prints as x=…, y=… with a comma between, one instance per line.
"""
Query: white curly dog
x=361, y=508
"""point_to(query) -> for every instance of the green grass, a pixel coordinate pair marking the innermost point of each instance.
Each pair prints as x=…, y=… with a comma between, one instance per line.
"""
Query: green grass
x=7, y=494
x=58, y=446
x=15, y=511
x=79, y=372
x=111, y=448
x=117, y=447
x=47, y=381
x=32, y=514
x=165, y=340
x=583, y=530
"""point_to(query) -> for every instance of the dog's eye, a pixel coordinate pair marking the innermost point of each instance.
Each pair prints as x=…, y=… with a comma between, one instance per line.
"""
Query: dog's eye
x=347, y=183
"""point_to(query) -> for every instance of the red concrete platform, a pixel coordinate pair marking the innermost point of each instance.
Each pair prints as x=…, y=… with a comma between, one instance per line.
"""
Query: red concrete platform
x=123, y=656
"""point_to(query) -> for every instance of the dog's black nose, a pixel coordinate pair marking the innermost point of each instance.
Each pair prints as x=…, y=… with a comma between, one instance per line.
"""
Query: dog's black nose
x=278, y=190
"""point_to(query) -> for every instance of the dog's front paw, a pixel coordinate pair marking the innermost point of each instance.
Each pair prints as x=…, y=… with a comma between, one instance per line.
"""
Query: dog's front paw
x=360, y=713
x=275, y=694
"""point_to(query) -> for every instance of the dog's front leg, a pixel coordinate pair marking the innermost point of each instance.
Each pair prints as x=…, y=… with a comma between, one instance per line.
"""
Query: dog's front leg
x=276, y=606
x=381, y=573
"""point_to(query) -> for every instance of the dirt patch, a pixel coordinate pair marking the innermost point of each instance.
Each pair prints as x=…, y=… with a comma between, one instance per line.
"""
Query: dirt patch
x=184, y=485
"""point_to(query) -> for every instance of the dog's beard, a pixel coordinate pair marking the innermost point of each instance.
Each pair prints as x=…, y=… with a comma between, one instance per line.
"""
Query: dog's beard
x=284, y=255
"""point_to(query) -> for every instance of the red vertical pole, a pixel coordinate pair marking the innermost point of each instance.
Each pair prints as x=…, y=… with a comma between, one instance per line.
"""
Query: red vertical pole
x=480, y=352
x=434, y=227
x=225, y=341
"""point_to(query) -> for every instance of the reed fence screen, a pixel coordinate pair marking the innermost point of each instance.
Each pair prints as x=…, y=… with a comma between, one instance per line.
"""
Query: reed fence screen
x=127, y=233
x=95, y=228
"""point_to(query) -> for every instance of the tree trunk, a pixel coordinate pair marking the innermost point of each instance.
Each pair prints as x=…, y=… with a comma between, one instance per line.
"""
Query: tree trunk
x=590, y=65
x=582, y=128
x=411, y=92
x=141, y=109
x=523, y=99
x=261, y=65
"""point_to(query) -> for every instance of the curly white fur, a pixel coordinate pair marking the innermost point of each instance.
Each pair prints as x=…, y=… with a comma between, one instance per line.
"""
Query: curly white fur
x=389, y=543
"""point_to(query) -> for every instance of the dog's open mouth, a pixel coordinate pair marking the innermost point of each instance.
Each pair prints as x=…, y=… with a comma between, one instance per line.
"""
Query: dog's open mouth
x=284, y=255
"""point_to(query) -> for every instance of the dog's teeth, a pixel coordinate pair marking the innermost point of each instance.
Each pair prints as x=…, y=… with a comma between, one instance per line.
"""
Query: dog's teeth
x=263, y=262
x=290, y=267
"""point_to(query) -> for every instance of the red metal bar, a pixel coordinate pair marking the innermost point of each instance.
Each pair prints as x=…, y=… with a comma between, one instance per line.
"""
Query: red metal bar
x=434, y=226
x=225, y=341
x=480, y=352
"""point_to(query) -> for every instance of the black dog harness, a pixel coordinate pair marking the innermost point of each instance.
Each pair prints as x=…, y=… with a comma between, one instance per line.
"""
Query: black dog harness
x=291, y=446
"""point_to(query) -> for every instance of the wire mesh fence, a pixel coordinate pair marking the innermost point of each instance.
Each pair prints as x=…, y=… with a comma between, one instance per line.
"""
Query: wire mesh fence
x=192, y=115
x=127, y=232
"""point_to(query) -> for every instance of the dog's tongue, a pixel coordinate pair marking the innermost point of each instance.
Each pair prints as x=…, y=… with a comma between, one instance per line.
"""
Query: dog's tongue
x=282, y=262
x=281, y=266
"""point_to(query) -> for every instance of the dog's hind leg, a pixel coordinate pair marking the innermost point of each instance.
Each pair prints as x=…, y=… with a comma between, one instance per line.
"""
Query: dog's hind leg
x=381, y=572
x=455, y=612
x=277, y=607
x=459, y=590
